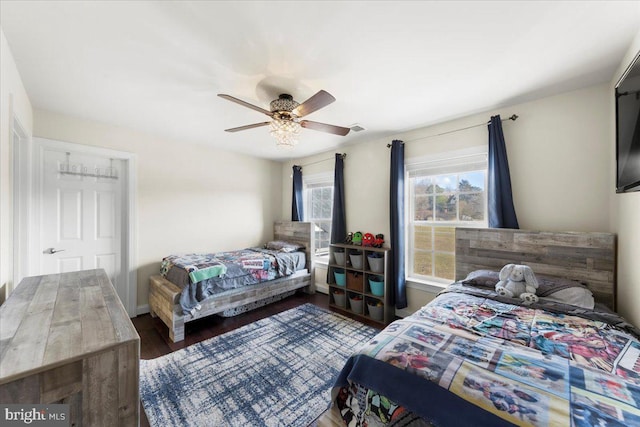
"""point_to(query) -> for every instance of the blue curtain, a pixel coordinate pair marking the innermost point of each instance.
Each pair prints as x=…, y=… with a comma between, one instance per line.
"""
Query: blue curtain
x=396, y=204
x=297, y=202
x=339, y=215
x=502, y=214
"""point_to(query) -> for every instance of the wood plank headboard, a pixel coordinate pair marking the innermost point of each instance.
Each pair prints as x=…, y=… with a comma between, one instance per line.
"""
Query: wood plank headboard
x=586, y=257
x=297, y=232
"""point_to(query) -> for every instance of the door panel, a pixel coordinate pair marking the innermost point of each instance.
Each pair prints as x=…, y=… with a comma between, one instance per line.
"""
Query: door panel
x=69, y=215
x=108, y=262
x=68, y=264
x=81, y=215
x=105, y=220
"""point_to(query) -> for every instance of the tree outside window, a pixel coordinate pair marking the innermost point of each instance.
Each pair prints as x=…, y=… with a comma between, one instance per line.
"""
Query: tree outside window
x=438, y=203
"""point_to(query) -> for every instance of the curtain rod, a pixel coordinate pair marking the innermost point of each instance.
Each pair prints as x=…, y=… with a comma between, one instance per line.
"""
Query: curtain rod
x=513, y=117
x=323, y=160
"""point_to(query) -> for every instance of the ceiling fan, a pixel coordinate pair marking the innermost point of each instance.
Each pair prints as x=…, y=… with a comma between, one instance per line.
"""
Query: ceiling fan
x=286, y=113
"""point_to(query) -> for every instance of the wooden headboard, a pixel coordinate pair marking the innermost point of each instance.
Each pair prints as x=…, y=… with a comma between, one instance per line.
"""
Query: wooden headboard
x=297, y=232
x=586, y=257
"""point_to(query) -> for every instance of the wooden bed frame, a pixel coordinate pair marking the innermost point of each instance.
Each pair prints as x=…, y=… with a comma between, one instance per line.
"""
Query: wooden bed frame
x=164, y=296
x=586, y=257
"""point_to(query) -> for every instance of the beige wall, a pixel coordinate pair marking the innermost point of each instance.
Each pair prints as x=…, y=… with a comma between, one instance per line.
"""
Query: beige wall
x=190, y=198
x=559, y=154
x=14, y=102
x=625, y=219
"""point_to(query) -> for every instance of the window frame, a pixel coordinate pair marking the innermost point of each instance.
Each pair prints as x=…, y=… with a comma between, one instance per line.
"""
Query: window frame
x=447, y=163
x=308, y=183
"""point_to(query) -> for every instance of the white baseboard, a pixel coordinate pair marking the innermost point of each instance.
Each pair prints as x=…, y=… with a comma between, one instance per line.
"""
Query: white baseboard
x=142, y=309
x=322, y=288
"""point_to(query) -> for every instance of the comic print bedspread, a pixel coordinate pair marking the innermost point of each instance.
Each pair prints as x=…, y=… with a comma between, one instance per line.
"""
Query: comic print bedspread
x=203, y=275
x=466, y=359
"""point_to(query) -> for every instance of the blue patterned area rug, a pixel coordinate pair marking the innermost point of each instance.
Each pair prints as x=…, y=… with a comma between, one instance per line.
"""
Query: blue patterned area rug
x=275, y=372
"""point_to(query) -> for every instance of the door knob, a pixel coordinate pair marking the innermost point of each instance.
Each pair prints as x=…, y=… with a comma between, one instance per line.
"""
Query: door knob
x=51, y=251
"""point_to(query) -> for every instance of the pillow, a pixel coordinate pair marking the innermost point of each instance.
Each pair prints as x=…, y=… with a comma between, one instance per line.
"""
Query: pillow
x=280, y=245
x=578, y=296
x=563, y=290
x=548, y=285
x=482, y=278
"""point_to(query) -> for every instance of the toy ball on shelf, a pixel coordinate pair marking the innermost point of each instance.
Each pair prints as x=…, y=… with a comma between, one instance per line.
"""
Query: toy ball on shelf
x=349, y=238
x=367, y=239
x=357, y=238
x=378, y=241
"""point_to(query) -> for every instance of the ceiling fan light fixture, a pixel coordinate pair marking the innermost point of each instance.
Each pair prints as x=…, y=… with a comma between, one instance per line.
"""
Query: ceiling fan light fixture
x=285, y=132
x=285, y=124
x=284, y=103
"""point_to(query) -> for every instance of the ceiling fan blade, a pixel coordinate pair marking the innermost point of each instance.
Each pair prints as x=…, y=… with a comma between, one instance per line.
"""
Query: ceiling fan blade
x=323, y=127
x=316, y=102
x=255, y=125
x=246, y=104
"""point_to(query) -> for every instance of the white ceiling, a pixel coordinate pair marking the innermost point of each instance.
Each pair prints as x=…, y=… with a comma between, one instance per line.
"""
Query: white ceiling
x=392, y=66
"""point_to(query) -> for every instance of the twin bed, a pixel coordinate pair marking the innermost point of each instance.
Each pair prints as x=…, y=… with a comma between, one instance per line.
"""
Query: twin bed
x=470, y=357
x=193, y=286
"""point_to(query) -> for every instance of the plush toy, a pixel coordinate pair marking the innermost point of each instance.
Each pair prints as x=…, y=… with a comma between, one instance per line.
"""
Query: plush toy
x=378, y=241
x=357, y=238
x=367, y=239
x=518, y=281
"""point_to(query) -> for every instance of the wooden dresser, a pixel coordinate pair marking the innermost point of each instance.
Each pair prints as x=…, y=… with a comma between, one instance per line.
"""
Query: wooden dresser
x=66, y=338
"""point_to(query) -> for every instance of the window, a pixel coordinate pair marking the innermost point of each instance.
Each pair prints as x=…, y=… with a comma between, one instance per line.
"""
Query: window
x=442, y=194
x=318, y=196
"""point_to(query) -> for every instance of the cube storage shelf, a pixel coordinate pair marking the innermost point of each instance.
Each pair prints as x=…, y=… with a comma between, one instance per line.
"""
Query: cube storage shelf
x=356, y=267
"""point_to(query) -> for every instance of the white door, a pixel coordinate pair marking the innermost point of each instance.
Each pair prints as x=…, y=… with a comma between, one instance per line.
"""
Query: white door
x=81, y=214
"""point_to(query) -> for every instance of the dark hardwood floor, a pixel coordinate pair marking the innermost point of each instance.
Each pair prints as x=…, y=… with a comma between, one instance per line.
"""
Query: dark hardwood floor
x=154, y=335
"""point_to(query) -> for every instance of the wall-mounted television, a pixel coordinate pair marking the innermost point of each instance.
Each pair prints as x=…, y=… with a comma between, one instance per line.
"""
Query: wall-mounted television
x=627, y=94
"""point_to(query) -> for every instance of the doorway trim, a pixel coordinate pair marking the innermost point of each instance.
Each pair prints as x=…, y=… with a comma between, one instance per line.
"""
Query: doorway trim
x=21, y=220
x=130, y=219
